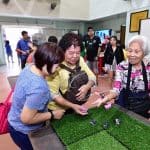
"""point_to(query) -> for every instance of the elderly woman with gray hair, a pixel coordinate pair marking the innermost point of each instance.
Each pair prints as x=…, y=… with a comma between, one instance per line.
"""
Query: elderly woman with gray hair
x=132, y=81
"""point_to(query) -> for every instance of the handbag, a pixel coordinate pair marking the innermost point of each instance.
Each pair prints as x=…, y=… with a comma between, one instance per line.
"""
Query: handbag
x=4, y=109
x=139, y=102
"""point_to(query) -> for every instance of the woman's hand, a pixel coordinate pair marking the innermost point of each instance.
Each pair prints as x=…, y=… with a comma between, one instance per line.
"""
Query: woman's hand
x=58, y=113
x=80, y=109
x=105, y=69
x=24, y=53
x=82, y=92
x=98, y=102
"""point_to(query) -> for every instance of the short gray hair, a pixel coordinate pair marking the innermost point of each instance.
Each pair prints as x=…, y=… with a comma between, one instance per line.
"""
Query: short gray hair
x=143, y=42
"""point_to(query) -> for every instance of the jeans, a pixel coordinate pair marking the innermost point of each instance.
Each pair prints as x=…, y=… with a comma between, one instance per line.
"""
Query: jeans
x=20, y=139
x=23, y=62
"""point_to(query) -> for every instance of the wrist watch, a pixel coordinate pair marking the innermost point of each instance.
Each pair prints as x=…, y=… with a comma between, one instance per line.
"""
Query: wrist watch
x=52, y=115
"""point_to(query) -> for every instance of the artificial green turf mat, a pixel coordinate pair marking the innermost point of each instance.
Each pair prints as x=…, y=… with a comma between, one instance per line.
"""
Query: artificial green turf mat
x=99, y=141
x=132, y=133
x=74, y=127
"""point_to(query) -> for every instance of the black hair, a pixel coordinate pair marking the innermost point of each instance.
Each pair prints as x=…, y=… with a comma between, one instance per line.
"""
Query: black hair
x=89, y=28
x=35, y=43
x=52, y=39
x=114, y=37
x=24, y=32
x=70, y=39
x=48, y=54
x=7, y=42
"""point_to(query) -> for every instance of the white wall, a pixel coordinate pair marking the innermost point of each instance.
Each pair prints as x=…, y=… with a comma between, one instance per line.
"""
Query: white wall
x=63, y=27
x=145, y=28
x=2, y=55
x=113, y=22
x=104, y=8
x=68, y=9
x=75, y=9
x=139, y=3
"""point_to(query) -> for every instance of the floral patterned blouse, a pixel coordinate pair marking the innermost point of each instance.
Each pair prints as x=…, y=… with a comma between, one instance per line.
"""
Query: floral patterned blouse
x=136, y=79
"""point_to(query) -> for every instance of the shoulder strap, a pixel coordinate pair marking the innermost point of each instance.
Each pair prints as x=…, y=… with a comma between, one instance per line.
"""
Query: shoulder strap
x=145, y=76
x=128, y=77
x=66, y=68
x=77, y=68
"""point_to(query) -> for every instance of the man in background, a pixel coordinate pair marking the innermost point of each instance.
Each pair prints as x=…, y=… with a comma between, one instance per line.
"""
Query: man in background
x=53, y=39
x=23, y=48
x=92, y=45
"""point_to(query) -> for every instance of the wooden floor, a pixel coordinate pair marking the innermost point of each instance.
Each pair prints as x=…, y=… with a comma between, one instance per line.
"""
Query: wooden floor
x=11, y=70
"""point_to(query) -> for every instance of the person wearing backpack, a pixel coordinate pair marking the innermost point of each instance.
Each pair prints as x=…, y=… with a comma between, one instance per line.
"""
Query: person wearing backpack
x=72, y=83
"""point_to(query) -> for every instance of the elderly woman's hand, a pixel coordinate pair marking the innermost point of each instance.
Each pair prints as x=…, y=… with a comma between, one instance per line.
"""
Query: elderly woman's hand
x=82, y=92
x=98, y=102
x=79, y=109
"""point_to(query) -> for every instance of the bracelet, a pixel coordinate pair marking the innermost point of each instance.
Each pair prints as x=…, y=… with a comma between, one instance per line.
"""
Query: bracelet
x=52, y=115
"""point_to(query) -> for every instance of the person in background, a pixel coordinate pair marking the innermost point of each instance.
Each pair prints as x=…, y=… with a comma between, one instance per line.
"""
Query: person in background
x=132, y=80
x=8, y=51
x=23, y=48
x=92, y=44
x=59, y=83
x=106, y=42
x=33, y=45
x=31, y=95
x=113, y=55
x=101, y=55
x=124, y=49
x=83, y=52
x=53, y=39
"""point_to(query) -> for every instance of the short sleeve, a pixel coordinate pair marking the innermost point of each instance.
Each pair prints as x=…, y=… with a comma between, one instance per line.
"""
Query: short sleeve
x=84, y=38
x=18, y=45
x=37, y=98
x=54, y=84
x=85, y=41
x=98, y=40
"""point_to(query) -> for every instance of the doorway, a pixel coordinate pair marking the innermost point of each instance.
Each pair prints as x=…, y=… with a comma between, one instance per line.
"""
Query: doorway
x=13, y=34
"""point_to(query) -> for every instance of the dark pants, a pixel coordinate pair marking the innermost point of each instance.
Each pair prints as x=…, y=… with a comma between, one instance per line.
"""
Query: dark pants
x=20, y=139
x=23, y=62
